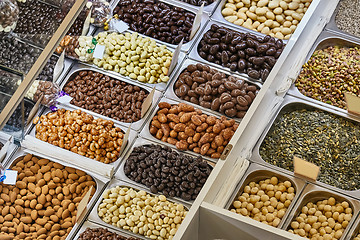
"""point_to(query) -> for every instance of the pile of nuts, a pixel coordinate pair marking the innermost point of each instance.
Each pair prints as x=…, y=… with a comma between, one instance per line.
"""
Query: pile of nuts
x=189, y=129
x=357, y=237
x=265, y=201
x=242, y=52
x=84, y=48
x=325, y=219
x=329, y=73
x=43, y=203
x=162, y=169
x=134, y=56
x=69, y=44
x=37, y=21
x=16, y=54
x=80, y=133
x=156, y=19
x=141, y=213
x=215, y=90
x=102, y=234
x=199, y=2
x=9, y=14
x=277, y=18
x=106, y=96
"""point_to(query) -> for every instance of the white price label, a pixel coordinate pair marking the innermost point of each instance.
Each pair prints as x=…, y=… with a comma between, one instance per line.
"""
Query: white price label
x=10, y=177
x=99, y=51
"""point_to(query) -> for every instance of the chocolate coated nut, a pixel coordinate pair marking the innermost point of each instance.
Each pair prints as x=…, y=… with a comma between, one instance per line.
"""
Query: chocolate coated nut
x=156, y=19
x=102, y=234
x=218, y=92
x=37, y=22
x=240, y=52
x=106, y=96
x=166, y=166
x=198, y=2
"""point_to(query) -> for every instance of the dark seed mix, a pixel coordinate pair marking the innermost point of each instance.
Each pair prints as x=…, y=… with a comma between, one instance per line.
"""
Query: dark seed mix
x=164, y=170
x=322, y=138
x=330, y=73
x=102, y=234
x=347, y=18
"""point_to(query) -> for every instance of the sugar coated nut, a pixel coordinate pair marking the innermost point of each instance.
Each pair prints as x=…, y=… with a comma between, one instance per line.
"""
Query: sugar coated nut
x=46, y=215
x=263, y=11
x=195, y=131
x=134, y=56
x=326, y=217
x=79, y=132
x=262, y=201
x=154, y=214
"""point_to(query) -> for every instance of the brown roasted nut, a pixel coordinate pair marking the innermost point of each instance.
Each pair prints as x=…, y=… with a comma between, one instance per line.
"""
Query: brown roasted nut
x=185, y=117
x=164, y=105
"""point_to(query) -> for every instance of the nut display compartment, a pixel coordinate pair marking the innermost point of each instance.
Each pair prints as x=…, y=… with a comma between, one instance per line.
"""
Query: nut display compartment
x=209, y=9
x=217, y=15
x=94, y=216
x=354, y=230
x=120, y=174
x=137, y=125
x=186, y=47
x=145, y=133
x=194, y=53
x=159, y=86
x=99, y=186
x=5, y=138
x=290, y=104
x=333, y=27
x=15, y=126
x=256, y=173
x=313, y=193
x=326, y=39
x=115, y=164
x=170, y=92
x=93, y=225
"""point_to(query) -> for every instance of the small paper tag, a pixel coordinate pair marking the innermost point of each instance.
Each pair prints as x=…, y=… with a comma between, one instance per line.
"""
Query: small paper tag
x=59, y=66
x=305, y=169
x=353, y=103
x=147, y=103
x=197, y=21
x=34, y=110
x=86, y=26
x=82, y=204
x=118, y=25
x=125, y=140
x=64, y=99
x=10, y=177
x=3, y=151
x=175, y=57
x=99, y=51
